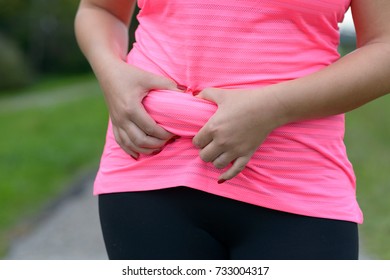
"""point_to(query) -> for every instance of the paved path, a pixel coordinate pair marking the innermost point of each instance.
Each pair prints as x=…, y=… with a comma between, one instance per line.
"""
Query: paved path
x=70, y=231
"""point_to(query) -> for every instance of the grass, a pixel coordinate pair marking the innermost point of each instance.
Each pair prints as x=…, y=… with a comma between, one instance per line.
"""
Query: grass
x=368, y=146
x=46, y=144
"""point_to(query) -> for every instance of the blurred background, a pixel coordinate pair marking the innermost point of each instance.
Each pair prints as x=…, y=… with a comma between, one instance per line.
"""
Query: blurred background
x=53, y=120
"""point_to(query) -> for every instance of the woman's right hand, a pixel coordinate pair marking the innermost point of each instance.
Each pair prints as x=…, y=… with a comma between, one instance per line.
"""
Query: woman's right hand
x=102, y=33
x=124, y=87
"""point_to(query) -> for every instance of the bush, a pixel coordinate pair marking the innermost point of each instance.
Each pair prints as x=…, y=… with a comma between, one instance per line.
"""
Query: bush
x=14, y=71
x=44, y=31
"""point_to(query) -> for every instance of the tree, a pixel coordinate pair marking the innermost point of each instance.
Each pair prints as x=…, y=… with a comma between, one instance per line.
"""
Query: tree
x=44, y=31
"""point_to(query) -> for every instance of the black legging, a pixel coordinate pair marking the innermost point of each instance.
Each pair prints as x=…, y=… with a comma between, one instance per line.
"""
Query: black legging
x=183, y=223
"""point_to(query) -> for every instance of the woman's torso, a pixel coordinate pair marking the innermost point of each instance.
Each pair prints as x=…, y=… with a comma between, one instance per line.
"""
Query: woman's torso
x=301, y=167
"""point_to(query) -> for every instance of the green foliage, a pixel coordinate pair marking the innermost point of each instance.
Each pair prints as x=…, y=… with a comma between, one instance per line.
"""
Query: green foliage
x=14, y=70
x=45, y=142
x=367, y=140
x=11, y=8
x=44, y=30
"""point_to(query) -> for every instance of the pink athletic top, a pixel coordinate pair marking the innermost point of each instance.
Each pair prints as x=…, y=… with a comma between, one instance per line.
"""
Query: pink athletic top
x=301, y=167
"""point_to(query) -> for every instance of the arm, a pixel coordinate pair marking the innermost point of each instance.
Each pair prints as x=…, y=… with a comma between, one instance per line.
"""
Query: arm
x=244, y=118
x=101, y=28
x=355, y=79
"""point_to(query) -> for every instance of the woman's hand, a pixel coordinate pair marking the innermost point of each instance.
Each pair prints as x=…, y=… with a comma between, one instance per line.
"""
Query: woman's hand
x=102, y=33
x=125, y=87
x=243, y=120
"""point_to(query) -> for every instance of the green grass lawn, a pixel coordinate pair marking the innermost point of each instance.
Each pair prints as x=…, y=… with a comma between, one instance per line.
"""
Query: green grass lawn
x=52, y=131
x=368, y=145
x=46, y=142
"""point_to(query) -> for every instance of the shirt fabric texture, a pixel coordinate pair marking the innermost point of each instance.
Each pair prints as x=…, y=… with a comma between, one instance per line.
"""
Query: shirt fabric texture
x=301, y=167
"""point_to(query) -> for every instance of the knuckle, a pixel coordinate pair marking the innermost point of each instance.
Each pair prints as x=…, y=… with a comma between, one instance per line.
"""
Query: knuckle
x=222, y=142
x=213, y=127
x=213, y=124
x=117, y=138
x=196, y=142
x=204, y=157
x=240, y=168
x=234, y=172
x=125, y=144
x=129, y=112
x=139, y=141
x=149, y=130
x=219, y=165
x=221, y=162
x=121, y=144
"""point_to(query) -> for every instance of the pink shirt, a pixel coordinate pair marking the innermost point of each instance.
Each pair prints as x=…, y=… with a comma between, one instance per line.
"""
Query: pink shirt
x=301, y=167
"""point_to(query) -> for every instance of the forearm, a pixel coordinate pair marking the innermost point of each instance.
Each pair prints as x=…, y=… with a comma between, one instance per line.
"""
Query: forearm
x=101, y=28
x=102, y=34
x=351, y=82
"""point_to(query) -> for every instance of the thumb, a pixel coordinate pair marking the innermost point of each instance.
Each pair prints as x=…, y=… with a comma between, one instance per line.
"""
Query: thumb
x=211, y=94
x=160, y=82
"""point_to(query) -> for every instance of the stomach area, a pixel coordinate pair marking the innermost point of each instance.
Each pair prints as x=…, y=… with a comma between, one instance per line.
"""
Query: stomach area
x=180, y=113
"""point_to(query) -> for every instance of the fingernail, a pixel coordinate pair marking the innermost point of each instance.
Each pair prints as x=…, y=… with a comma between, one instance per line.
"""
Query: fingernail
x=173, y=139
x=170, y=141
x=181, y=87
x=221, y=181
x=156, y=152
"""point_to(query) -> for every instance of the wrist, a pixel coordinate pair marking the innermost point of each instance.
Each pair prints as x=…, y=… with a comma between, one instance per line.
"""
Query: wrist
x=270, y=105
x=104, y=63
x=282, y=114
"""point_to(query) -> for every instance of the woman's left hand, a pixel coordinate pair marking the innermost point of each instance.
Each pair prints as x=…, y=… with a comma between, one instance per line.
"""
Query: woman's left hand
x=242, y=121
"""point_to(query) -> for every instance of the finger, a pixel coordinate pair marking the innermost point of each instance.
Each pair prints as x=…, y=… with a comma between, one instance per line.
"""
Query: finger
x=141, y=140
x=238, y=166
x=223, y=161
x=149, y=126
x=210, y=153
x=160, y=82
x=211, y=94
x=119, y=141
x=126, y=143
x=203, y=137
x=130, y=135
